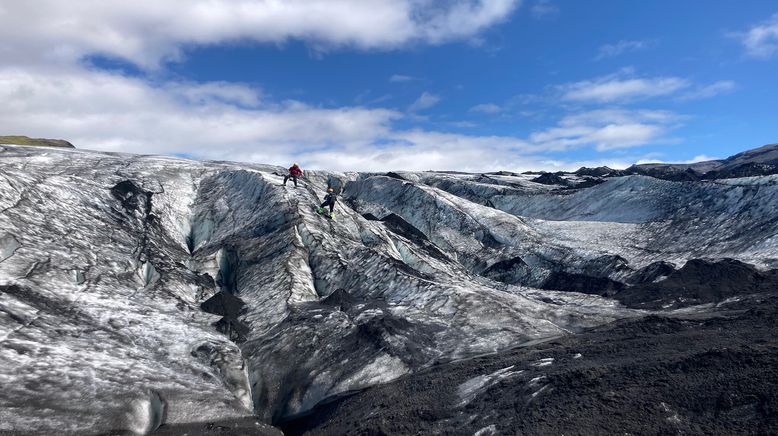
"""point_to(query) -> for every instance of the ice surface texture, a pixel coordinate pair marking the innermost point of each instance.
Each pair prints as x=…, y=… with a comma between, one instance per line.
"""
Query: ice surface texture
x=106, y=259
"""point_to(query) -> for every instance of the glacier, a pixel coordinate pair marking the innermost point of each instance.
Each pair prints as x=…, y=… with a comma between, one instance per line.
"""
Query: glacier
x=144, y=291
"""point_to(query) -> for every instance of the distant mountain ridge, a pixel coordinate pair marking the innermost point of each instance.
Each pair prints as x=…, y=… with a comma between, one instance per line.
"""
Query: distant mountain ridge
x=760, y=161
x=767, y=154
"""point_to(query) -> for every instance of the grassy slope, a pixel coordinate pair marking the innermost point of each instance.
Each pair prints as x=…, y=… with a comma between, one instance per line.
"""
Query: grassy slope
x=24, y=140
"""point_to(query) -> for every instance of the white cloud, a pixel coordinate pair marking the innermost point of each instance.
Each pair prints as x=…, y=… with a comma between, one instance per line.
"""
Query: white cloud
x=98, y=110
x=543, y=8
x=425, y=101
x=420, y=151
x=462, y=124
x=215, y=92
x=400, y=78
x=761, y=40
x=104, y=111
x=621, y=47
x=423, y=150
x=444, y=21
x=623, y=87
x=621, y=162
x=486, y=108
x=146, y=32
x=614, y=88
x=695, y=159
x=622, y=116
x=608, y=129
x=712, y=90
x=47, y=92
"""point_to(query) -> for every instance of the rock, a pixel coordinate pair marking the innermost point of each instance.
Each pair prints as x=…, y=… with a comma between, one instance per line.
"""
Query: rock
x=550, y=179
x=700, y=281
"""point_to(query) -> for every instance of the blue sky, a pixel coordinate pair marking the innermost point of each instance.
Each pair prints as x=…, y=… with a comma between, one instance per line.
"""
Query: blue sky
x=473, y=85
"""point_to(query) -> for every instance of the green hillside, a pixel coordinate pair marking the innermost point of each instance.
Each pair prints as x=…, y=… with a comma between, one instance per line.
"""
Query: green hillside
x=24, y=140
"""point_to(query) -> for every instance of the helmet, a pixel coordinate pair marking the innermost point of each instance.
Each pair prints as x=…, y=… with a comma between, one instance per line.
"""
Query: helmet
x=330, y=189
x=295, y=164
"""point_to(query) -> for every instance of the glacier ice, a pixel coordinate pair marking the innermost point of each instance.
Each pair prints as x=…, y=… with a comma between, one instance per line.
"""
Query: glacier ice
x=111, y=255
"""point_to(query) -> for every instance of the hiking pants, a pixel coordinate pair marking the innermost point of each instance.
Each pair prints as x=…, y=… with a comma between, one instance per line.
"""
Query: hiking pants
x=294, y=179
x=330, y=204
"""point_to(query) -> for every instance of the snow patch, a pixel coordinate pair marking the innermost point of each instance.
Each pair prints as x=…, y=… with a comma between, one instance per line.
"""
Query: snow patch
x=536, y=380
x=673, y=417
x=383, y=369
x=489, y=430
x=470, y=389
x=543, y=362
x=536, y=393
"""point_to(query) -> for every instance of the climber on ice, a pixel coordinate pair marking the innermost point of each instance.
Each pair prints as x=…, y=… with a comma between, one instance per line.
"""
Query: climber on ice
x=329, y=200
x=294, y=173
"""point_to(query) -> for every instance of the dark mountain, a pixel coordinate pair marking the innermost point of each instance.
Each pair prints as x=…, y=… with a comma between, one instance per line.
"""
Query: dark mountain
x=756, y=162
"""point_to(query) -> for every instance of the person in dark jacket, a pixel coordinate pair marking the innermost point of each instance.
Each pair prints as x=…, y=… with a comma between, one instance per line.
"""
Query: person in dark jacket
x=329, y=200
x=294, y=173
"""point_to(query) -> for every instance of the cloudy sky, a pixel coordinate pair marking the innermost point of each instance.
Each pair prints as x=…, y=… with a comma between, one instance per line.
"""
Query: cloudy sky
x=470, y=85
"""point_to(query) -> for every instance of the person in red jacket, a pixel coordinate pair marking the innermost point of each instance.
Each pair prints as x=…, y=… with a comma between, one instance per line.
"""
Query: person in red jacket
x=294, y=173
